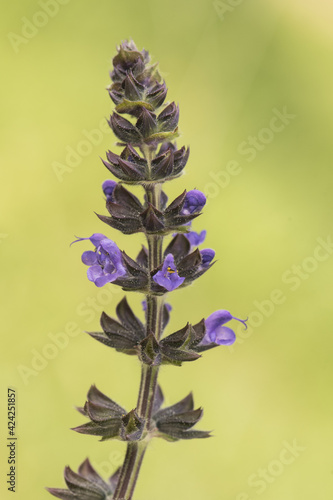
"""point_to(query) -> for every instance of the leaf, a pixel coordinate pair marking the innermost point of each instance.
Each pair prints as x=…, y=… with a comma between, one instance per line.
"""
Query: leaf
x=129, y=320
x=176, y=434
x=179, y=246
x=126, y=106
x=97, y=397
x=177, y=204
x=78, y=485
x=118, y=342
x=152, y=219
x=105, y=430
x=110, y=325
x=127, y=199
x=87, y=471
x=120, y=212
x=142, y=258
x=101, y=413
x=63, y=494
x=179, y=355
x=176, y=339
x=186, y=404
x=158, y=400
x=133, y=267
x=182, y=421
x=198, y=332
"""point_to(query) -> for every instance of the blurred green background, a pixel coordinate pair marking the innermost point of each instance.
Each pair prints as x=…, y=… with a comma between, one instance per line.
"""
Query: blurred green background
x=233, y=66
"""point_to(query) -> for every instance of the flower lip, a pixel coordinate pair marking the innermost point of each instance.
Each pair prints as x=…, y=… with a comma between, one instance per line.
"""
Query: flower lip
x=168, y=276
x=216, y=332
x=196, y=239
x=89, y=258
x=207, y=255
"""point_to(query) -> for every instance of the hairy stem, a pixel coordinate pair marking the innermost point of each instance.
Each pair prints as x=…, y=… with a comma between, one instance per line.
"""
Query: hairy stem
x=149, y=373
x=130, y=470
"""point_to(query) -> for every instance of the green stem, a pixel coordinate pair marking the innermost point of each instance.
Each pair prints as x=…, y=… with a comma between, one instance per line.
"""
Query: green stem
x=130, y=470
x=136, y=450
x=147, y=392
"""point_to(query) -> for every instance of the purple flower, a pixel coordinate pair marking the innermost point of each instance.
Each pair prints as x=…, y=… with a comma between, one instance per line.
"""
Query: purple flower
x=207, y=255
x=108, y=187
x=105, y=263
x=194, y=202
x=216, y=332
x=168, y=276
x=196, y=238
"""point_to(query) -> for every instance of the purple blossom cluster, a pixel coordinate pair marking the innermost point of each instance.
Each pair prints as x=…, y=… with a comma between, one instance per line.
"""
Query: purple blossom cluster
x=105, y=262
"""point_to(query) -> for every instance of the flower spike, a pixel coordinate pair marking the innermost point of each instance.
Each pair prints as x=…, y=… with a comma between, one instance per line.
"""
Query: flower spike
x=146, y=125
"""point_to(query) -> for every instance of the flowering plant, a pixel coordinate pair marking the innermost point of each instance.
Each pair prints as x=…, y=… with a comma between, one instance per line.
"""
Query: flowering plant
x=149, y=158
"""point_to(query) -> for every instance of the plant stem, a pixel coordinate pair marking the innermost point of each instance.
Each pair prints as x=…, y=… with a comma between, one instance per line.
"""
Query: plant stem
x=149, y=373
x=130, y=470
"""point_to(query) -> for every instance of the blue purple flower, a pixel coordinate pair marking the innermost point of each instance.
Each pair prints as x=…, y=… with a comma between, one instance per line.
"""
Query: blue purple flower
x=196, y=239
x=216, y=332
x=168, y=276
x=207, y=255
x=108, y=187
x=194, y=202
x=105, y=263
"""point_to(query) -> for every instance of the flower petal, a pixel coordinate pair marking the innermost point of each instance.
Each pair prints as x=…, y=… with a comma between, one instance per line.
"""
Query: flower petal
x=168, y=276
x=214, y=325
x=169, y=264
x=218, y=318
x=108, y=187
x=225, y=336
x=207, y=255
x=195, y=200
x=89, y=258
x=94, y=272
x=196, y=239
x=110, y=247
x=103, y=280
x=168, y=283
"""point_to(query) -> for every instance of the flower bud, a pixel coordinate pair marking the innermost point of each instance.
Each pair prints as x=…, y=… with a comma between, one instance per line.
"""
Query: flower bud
x=108, y=188
x=194, y=202
x=124, y=129
x=168, y=118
